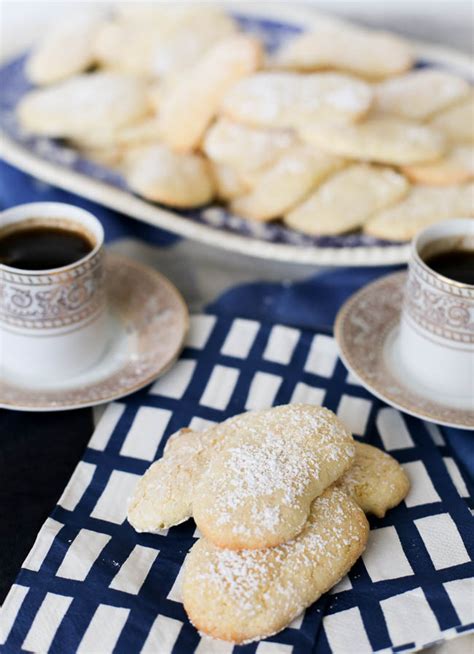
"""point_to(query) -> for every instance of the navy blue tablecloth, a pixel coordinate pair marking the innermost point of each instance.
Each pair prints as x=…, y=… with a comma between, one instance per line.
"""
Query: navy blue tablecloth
x=38, y=452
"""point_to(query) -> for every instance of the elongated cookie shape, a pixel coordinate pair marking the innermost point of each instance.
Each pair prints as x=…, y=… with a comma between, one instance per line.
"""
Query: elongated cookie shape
x=169, y=18
x=65, y=50
x=251, y=594
x=339, y=45
x=347, y=200
x=267, y=468
x=166, y=16
x=456, y=167
x=161, y=40
x=128, y=41
x=287, y=182
x=163, y=496
x=423, y=206
x=375, y=480
x=137, y=33
x=284, y=99
x=144, y=131
x=420, y=93
x=380, y=139
x=229, y=182
x=161, y=175
x=189, y=106
x=244, y=148
x=84, y=103
x=457, y=122
x=195, y=34
x=125, y=48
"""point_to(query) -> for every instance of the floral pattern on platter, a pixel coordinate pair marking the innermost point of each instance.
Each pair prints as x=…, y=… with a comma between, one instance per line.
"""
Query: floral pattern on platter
x=154, y=318
x=53, y=300
x=363, y=327
x=443, y=309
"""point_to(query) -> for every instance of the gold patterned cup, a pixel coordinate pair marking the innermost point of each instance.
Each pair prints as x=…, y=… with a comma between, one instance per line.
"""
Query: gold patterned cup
x=436, y=341
x=53, y=323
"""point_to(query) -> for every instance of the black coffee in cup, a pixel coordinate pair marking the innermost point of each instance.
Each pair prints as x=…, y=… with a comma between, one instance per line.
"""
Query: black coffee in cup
x=36, y=244
x=456, y=264
x=451, y=256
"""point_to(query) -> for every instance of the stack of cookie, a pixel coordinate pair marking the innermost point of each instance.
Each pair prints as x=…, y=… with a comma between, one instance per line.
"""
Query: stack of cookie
x=279, y=497
x=332, y=133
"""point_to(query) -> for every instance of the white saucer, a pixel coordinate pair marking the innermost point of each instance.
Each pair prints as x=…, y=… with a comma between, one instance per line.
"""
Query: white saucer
x=366, y=331
x=148, y=324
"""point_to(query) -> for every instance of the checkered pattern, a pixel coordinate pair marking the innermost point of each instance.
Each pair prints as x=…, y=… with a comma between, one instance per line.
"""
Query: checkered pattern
x=91, y=584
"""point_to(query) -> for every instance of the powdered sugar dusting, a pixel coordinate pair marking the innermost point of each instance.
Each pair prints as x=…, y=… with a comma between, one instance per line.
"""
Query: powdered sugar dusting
x=268, y=467
x=287, y=99
x=272, y=585
x=246, y=148
x=163, y=496
x=347, y=97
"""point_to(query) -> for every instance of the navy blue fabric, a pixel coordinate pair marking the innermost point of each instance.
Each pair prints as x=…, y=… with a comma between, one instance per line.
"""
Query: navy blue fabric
x=313, y=304
x=155, y=597
x=309, y=306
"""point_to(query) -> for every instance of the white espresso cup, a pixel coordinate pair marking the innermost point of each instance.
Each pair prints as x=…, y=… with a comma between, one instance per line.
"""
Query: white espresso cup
x=436, y=341
x=53, y=322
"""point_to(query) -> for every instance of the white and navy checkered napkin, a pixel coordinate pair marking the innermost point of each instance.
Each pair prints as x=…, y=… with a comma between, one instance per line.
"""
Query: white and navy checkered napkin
x=91, y=584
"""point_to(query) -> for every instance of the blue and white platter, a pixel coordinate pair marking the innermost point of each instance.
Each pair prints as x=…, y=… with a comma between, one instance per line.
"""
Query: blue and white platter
x=58, y=164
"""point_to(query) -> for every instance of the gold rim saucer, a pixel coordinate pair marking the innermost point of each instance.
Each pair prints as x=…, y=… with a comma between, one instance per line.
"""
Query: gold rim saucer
x=150, y=322
x=364, y=326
